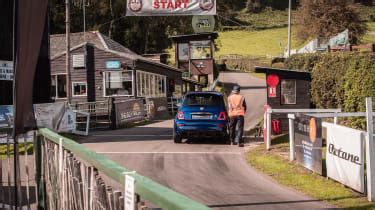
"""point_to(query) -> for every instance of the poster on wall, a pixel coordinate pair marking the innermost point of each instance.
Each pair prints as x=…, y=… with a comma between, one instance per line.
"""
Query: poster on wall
x=345, y=156
x=129, y=111
x=308, y=142
x=158, y=108
x=170, y=7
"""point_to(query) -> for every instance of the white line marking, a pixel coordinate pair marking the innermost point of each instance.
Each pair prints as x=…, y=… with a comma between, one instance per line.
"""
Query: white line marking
x=136, y=135
x=221, y=153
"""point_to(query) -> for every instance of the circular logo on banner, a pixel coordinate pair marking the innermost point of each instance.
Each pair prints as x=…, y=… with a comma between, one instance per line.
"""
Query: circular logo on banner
x=312, y=130
x=135, y=5
x=206, y=4
x=273, y=80
x=203, y=23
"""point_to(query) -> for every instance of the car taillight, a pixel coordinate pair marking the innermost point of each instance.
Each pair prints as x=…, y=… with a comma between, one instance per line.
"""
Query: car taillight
x=180, y=115
x=222, y=116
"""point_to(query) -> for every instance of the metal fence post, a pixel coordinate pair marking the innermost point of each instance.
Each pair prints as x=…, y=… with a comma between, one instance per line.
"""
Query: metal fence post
x=40, y=189
x=291, y=137
x=268, y=145
x=370, y=152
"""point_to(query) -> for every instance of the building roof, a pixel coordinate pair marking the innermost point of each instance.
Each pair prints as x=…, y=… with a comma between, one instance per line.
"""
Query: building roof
x=270, y=70
x=101, y=41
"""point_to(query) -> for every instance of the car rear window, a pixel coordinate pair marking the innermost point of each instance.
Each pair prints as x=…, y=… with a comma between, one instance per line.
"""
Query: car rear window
x=203, y=100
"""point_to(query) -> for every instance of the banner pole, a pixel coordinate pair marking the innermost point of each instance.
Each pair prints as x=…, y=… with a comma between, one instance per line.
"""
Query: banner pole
x=370, y=155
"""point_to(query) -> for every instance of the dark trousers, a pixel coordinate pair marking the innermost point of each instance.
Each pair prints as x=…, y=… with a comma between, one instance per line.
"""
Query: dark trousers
x=234, y=121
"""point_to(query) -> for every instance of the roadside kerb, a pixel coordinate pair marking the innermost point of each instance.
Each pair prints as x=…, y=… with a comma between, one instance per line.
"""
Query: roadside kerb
x=146, y=188
x=290, y=111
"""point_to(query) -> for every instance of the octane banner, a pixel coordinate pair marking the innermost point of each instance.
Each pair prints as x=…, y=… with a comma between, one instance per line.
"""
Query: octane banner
x=345, y=156
x=170, y=7
x=308, y=142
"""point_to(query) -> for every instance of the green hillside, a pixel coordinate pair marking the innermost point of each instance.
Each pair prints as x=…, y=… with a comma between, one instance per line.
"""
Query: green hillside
x=269, y=42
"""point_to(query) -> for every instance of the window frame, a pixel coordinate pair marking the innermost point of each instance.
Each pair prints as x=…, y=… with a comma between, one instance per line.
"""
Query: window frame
x=144, y=84
x=73, y=95
x=282, y=95
x=56, y=87
x=122, y=71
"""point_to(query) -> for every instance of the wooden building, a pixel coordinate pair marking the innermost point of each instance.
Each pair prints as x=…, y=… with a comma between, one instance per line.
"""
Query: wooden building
x=194, y=55
x=102, y=68
x=286, y=89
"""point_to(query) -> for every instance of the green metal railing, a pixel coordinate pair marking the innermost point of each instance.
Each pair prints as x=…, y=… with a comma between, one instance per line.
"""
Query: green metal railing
x=144, y=187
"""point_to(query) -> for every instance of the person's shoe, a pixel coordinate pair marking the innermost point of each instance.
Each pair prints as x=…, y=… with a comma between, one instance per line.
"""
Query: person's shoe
x=241, y=145
x=234, y=143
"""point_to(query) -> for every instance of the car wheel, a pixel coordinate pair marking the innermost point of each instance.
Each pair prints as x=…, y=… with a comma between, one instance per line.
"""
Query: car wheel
x=177, y=138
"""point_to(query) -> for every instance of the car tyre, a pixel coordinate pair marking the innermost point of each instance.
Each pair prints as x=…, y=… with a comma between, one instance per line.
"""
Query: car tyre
x=176, y=138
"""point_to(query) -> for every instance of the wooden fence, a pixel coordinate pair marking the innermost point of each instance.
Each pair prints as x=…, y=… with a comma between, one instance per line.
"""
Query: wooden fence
x=69, y=176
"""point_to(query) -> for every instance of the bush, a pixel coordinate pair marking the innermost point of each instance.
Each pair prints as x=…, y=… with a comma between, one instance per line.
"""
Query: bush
x=303, y=62
x=339, y=80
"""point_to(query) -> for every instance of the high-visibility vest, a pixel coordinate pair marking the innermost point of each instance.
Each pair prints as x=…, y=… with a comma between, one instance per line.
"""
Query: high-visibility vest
x=236, y=107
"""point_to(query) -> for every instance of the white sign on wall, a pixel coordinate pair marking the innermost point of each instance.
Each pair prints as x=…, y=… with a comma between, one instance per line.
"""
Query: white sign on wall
x=6, y=70
x=170, y=7
x=129, y=198
x=345, y=156
x=79, y=61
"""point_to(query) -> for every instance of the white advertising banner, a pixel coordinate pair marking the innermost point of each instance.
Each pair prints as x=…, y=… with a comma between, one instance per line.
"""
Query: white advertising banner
x=170, y=7
x=6, y=70
x=345, y=156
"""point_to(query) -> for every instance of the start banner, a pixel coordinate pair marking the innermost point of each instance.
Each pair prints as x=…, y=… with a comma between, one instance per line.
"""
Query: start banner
x=345, y=156
x=170, y=7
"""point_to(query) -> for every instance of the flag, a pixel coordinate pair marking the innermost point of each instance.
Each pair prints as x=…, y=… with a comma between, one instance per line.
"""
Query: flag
x=29, y=28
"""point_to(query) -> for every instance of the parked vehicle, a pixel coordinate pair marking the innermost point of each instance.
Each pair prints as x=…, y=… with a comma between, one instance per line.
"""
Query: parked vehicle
x=201, y=114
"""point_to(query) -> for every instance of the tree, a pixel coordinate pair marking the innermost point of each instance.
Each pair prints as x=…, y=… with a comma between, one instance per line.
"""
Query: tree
x=326, y=18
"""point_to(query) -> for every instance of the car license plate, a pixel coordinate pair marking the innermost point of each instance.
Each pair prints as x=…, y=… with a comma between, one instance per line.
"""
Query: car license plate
x=201, y=117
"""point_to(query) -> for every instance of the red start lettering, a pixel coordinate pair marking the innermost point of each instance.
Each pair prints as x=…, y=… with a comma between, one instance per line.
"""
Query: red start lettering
x=170, y=4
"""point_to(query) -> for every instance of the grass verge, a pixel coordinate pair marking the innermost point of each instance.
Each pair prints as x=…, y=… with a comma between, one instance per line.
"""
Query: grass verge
x=275, y=163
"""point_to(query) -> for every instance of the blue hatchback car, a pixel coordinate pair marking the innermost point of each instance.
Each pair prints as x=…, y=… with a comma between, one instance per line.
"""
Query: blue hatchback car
x=201, y=114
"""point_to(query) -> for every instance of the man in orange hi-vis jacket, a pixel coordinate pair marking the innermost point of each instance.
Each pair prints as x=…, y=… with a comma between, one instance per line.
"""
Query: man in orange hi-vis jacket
x=237, y=109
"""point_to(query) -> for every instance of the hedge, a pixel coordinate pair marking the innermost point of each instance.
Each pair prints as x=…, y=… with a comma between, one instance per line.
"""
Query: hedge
x=339, y=80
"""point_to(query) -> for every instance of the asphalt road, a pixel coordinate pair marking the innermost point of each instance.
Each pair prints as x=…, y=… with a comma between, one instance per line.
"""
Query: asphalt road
x=214, y=174
x=254, y=91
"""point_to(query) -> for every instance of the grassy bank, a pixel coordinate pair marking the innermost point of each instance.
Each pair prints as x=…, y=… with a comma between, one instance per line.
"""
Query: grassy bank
x=270, y=42
x=275, y=163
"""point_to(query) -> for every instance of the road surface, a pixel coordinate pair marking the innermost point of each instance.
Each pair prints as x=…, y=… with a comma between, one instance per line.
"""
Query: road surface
x=254, y=90
x=216, y=175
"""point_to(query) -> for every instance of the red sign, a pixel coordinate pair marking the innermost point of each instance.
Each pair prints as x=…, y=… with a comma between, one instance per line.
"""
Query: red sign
x=272, y=92
x=273, y=80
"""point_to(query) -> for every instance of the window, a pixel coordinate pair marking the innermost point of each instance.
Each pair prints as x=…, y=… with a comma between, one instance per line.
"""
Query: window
x=58, y=86
x=79, y=88
x=200, y=49
x=203, y=100
x=150, y=85
x=288, y=91
x=118, y=83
